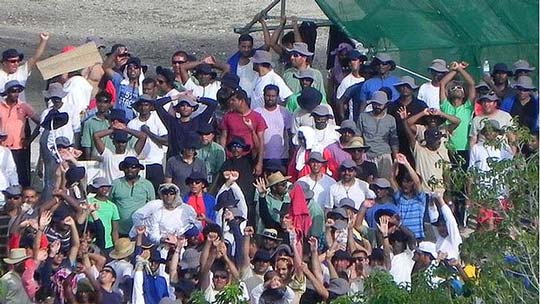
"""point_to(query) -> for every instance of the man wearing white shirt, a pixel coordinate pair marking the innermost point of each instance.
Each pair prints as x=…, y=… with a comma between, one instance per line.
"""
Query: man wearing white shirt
x=349, y=187
x=429, y=91
x=153, y=152
x=79, y=92
x=445, y=228
x=8, y=174
x=262, y=64
x=12, y=69
x=319, y=182
x=166, y=216
x=356, y=60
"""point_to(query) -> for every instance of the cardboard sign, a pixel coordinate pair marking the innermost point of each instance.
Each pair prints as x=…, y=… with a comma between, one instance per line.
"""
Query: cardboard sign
x=81, y=57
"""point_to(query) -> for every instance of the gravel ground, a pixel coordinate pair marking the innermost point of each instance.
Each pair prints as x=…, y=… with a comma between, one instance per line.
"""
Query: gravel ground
x=153, y=30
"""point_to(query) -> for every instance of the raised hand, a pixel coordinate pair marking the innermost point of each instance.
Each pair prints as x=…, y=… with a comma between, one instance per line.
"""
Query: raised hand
x=171, y=239
x=368, y=203
x=313, y=244
x=140, y=229
x=118, y=125
x=45, y=219
x=402, y=112
x=249, y=231
x=463, y=64
x=44, y=36
x=234, y=176
x=54, y=247
x=212, y=236
x=228, y=215
x=402, y=159
x=260, y=185
x=453, y=66
x=383, y=225
x=69, y=221
x=329, y=223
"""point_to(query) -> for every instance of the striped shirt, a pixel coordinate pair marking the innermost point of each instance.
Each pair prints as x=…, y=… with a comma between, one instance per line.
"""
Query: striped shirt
x=411, y=210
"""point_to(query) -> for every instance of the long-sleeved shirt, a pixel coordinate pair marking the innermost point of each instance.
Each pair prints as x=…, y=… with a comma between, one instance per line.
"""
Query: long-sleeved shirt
x=8, y=174
x=160, y=221
x=148, y=288
x=450, y=243
x=376, y=83
x=380, y=134
x=179, y=132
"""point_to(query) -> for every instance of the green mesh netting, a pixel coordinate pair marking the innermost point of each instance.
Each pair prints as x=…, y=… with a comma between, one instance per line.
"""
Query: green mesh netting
x=417, y=31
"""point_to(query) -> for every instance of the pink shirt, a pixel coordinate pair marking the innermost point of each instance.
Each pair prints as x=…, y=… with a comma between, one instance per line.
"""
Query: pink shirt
x=12, y=121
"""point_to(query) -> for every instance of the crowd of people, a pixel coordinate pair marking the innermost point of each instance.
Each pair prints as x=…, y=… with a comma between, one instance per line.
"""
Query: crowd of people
x=257, y=171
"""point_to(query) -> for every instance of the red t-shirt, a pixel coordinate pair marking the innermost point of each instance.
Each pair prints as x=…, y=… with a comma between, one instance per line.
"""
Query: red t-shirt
x=233, y=123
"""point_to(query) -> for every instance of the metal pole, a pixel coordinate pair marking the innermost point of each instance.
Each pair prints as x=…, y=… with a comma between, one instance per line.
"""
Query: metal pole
x=412, y=73
x=246, y=29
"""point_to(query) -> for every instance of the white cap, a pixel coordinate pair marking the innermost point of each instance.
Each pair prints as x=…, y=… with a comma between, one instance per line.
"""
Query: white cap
x=428, y=247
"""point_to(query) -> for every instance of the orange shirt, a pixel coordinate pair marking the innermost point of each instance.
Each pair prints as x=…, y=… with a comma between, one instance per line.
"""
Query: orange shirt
x=12, y=122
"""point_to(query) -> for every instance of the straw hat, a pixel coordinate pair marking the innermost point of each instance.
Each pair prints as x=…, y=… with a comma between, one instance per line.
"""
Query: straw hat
x=122, y=248
x=276, y=178
x=16, y=255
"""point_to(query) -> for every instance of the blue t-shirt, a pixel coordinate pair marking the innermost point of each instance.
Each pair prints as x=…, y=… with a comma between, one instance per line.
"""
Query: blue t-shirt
x=411, y=211
x=374, y=84
x=126, y=95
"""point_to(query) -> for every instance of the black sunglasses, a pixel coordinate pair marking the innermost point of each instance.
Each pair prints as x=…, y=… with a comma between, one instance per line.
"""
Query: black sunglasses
x=178, y=62
x=15, y=197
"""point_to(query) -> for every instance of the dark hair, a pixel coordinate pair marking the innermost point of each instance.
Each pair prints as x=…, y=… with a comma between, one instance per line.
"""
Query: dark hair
x=245, y=37
x=241, y=94
x=148, y=80
x=271, y=87
x=265, y=65
x=103, y=95
x=180, y=53
x=288, y=38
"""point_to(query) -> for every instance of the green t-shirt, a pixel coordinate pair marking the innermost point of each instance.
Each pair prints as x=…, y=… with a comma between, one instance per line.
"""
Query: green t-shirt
x=130, y=198
x=107, y=212
x=459, y=141
x=294, y=84
x=91, y=126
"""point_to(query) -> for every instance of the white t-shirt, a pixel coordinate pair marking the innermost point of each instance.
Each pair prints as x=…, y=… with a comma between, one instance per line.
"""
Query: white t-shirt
x=348, y=81
x=358, y=192
x=401, y=267
x=430, y=95
x=8, y=174
x=151, y=151
x=209, y=91
x=320, y=188
x=247, y=76
x=110, y=161
x=275, y=136
x=504, y=119
x=257, y=95
x=78, y=98
x=21, y=75
x=67, y=130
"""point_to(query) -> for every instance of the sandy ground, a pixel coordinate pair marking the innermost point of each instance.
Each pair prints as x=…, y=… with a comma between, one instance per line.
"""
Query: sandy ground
x=152, y=30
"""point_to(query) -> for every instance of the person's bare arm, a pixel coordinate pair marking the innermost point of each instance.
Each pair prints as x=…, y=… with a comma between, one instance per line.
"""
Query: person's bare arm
x=454, y=121
x=220, y=65
x=231, y=267
x=185, y=67
x=402, y=112
x=108, y=64
x=260, y=153
x=98, y=139
x=141, y=139
x=315, y=281
x=444, y=81
x=208, y=256
x=75, y=242
x=274, y=44
x=471, y=89
x=43, y=39
x=387, y=248
x=296, y=29
x=402, y=159
x=315, y=263
x=248, y=234
x=266, y=33
x=160, y=141
x=223, y=138
x=44, y=220
x=412, y=121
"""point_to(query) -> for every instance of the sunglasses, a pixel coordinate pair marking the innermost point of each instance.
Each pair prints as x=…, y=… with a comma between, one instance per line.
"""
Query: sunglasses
x=348, y=169
x=196, y=182
x=456, y=88
x=14, y=90
x=222, y=276
x=123, y=55
x=384, y=63
x=15, y=197
x=523, y=89
x=357, y=150
x=13, y=60
x=237, y=146
x=168, y=192
x=178, y=62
